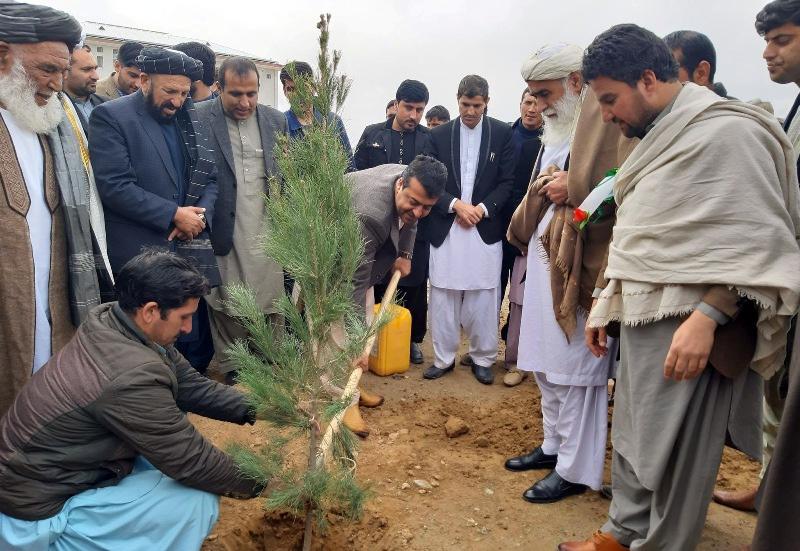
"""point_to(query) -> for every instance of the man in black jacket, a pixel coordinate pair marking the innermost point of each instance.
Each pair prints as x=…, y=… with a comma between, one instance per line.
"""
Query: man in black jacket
x=398, y=140
x=466, y=228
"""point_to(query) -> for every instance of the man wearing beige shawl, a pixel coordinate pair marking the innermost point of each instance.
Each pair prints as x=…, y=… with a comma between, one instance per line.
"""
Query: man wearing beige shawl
x=707, y=207
x=562, y=266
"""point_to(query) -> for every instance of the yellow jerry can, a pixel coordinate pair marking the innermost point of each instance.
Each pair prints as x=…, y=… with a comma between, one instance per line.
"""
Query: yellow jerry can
x=392, y=348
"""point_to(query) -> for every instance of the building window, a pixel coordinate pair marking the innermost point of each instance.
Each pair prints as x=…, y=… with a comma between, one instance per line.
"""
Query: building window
x=115, y=52
x=100, y=61
x=99, y=49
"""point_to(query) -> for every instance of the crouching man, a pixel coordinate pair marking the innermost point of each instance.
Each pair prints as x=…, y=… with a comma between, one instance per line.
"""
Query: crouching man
x=97, y=451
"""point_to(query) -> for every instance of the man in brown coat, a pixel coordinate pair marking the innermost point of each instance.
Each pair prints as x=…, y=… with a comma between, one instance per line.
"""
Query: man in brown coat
x=35, y=45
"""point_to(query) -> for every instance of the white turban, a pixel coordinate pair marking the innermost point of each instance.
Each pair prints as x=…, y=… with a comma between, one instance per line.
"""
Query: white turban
x=553, y=62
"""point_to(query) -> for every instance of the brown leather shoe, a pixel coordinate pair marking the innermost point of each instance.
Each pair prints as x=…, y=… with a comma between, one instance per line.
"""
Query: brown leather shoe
x=352, y=420
x=741, y=500
x=368, y=399
x=600, y=541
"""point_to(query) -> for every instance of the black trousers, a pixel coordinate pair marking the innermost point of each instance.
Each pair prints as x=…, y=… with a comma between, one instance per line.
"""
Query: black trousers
x=510, y=254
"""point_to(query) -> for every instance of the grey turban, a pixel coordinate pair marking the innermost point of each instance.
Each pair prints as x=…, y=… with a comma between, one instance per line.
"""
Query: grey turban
x=29, y=23
x=161, y=61
x=553, y=62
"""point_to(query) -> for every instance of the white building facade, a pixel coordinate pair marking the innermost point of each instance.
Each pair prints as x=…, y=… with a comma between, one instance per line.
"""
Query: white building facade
x=105, y=40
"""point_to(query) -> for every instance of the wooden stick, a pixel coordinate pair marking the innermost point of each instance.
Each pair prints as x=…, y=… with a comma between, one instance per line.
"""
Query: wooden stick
x=355, y=375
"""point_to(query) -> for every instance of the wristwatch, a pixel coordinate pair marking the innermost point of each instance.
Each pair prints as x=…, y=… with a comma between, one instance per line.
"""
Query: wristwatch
x=405, y=254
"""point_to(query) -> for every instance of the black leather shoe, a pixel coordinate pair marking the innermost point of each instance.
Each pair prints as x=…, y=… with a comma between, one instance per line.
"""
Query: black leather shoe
x=605, y=491
x=416, y=353
x=483, y=374
x=466, y=360
x=552, y=488
x=434, y=372
x=536, y=459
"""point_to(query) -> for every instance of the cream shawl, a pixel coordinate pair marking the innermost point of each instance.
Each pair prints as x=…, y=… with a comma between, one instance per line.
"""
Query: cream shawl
x=709, y=197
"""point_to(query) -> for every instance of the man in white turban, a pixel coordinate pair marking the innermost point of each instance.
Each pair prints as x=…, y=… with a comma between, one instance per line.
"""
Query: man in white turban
x=563, y=263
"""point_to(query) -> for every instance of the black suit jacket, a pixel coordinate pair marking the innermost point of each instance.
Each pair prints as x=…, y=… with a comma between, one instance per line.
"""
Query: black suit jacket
x=271, y=122
x=375, y=145
x=494, y=180
x=136, y=179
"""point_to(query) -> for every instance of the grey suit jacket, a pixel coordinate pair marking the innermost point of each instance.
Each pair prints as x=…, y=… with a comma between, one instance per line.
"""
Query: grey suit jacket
x=270, y=123
x=373, y=199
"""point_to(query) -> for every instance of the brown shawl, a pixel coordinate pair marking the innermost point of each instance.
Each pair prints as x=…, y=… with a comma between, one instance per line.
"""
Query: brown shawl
x=578, y=256
x=17, y=294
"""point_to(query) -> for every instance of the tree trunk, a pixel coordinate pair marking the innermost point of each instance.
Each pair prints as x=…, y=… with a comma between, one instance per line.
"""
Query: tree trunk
x=313, y=439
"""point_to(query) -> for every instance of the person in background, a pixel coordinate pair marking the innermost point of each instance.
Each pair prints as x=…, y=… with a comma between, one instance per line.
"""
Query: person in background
x=125, y=78
x=391, y=108
x=242, y=134
x=398, y=140
x=526, y=136
x=437, y=115
x=466, y=229
x=81, y=84
x=299, y=117
x=202, y=89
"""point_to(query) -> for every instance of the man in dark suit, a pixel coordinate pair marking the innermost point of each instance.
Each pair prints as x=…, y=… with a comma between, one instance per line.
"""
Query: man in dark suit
x=399, y=139
x=156, y=176
x=466, y=228
x=81, y=84
x=243, y=136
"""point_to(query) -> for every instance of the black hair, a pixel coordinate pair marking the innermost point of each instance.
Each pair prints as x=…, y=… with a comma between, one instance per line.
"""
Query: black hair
x=128, y=52
x=472, y=86
x=624, y=52
x=202, y=53
x=157, y=275
x=412, y=91
x=695, y=47
x=525, y=92
x=296, y=68
x=776, y=14
x=392, y=103
x=438, y=112
x=241, y=66
x=432, y=174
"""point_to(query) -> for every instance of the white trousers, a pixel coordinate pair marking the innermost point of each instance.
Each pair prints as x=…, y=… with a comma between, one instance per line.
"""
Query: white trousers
x=575, y=420
x=477, y=311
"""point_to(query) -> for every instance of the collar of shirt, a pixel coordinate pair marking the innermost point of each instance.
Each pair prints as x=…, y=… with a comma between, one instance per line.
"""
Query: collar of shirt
x=466, y=129
x=663, y=114
x=294, y=123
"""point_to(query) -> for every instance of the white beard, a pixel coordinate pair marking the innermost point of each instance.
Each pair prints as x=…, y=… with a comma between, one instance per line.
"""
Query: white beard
x=558, y=129
x=17, y=94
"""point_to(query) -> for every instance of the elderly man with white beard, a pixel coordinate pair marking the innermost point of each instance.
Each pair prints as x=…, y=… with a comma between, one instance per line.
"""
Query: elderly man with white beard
x=39, y=205
x=563, y=264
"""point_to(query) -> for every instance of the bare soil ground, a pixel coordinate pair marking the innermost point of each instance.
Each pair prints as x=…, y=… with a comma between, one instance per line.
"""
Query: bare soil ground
x=475, y=503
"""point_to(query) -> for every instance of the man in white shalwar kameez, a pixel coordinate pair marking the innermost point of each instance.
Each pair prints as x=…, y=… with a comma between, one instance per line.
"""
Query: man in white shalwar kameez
x=467, y=228
x=572, y=381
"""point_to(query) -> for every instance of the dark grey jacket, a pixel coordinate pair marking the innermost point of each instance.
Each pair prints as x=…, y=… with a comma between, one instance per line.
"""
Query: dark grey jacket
x=109, y=395
x=270, y=123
